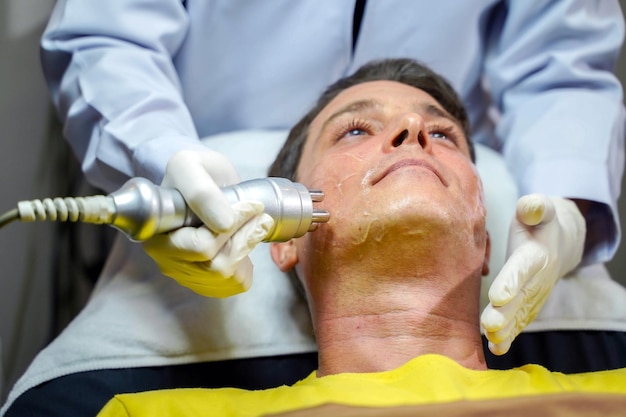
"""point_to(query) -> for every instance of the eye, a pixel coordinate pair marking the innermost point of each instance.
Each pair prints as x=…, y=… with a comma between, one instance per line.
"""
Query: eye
x=448, y=133
x=439, y=134
x=353, y=128
x=356, y=132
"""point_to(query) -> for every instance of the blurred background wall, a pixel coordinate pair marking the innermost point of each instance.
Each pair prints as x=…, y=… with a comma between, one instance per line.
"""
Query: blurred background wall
x=36, y=297
x=25, y=171
x=43, y=279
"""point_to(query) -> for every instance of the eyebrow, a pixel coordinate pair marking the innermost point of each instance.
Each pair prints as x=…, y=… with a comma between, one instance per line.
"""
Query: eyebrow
x=353, y=107
x=435, y=111
x=368, y=104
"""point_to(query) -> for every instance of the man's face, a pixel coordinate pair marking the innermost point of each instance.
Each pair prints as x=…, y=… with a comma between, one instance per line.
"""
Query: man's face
x=394, y=167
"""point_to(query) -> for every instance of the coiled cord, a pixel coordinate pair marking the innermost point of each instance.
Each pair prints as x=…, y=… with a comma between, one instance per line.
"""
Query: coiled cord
x=97, y=209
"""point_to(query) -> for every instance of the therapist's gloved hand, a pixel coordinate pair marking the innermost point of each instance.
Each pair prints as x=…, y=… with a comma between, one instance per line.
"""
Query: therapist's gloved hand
x=212, y=260
x=546, y=241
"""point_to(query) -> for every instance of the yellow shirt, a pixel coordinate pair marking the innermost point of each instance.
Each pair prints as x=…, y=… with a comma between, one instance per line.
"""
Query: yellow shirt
x=426, y=379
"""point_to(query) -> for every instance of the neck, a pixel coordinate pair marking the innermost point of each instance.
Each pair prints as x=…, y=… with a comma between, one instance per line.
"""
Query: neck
x=395, y=320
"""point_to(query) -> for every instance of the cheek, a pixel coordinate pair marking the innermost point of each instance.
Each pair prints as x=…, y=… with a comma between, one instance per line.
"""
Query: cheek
x=475, y=195
x=341, y=177
x=475, y=211
x=335, y=175
x=469, y=184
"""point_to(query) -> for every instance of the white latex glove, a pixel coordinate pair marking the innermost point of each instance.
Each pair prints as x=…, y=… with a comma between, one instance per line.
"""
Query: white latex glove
x=198, y=176
x=546, y=241
x=212, y=260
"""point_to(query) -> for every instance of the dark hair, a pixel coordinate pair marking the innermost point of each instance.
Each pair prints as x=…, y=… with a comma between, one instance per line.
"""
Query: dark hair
x=403, y=70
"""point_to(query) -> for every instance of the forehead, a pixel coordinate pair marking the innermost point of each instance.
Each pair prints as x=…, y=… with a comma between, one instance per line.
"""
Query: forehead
x=386, y=95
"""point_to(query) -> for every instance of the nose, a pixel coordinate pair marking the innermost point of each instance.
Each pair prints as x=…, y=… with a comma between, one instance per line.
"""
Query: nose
x=409, y=129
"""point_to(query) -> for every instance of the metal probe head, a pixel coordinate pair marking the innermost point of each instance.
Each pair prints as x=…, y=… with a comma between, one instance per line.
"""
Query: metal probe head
x=289, y=203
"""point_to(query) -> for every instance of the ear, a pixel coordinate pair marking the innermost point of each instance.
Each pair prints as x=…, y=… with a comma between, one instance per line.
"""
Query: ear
x=487, y=255
x=284, y=254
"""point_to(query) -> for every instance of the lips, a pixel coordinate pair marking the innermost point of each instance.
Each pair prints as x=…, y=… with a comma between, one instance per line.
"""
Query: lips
x=409, y=162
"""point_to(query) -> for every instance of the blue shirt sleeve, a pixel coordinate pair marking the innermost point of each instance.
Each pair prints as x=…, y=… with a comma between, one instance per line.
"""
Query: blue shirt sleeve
x=550, y=68
x=109, y=66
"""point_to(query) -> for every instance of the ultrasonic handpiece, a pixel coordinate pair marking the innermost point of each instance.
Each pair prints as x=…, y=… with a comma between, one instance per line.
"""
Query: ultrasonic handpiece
x=290, y=204
x=141, y=209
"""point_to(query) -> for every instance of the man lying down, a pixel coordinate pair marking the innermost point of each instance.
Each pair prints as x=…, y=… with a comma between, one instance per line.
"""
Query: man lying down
x=393, y=279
